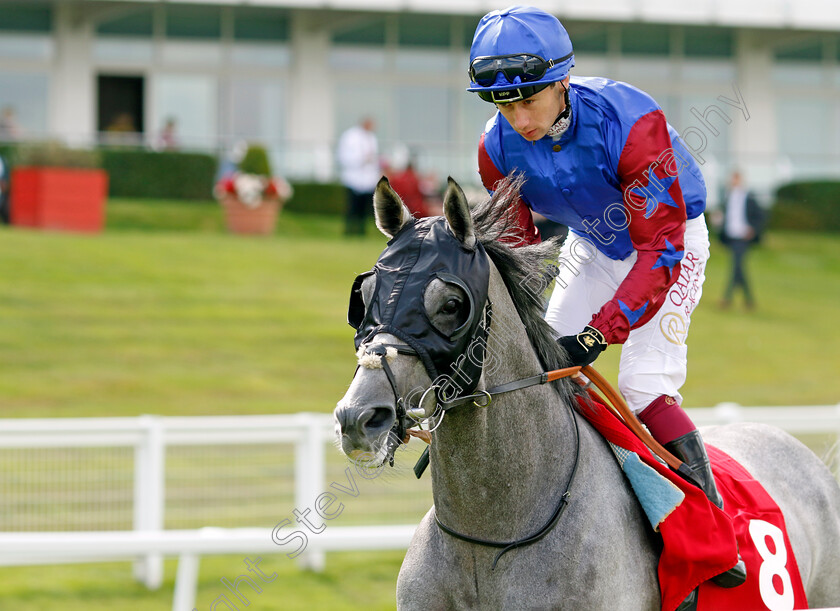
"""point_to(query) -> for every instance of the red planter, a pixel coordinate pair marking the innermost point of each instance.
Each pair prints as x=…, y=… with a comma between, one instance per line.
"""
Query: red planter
x=70, y=199
x=250, y=221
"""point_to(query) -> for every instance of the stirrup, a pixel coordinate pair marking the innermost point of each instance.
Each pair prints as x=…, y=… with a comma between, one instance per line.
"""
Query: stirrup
x=690, y=602
x=734, y=577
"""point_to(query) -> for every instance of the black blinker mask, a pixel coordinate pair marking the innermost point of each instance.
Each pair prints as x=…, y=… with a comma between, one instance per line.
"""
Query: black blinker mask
x=421, y=251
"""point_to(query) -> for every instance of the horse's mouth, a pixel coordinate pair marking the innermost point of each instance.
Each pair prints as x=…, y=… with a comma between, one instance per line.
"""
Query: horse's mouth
x=369, y=455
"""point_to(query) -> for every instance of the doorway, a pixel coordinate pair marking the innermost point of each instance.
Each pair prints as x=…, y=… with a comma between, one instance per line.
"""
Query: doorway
x=120, y=113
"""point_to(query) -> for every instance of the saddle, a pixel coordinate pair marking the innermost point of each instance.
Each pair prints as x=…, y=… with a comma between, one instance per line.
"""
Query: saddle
x=750, y=523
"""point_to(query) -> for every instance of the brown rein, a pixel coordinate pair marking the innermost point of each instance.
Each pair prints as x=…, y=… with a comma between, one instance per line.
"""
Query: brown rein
x=612, y=399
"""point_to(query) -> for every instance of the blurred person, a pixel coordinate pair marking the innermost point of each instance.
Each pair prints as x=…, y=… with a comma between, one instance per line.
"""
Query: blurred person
x=358, y=159
x=168, y=136
x=230, y=159
x=741, y=222
x=408, y=183
x=4, y=192
x=122, y=130
x=9, y=128
x=598, y=156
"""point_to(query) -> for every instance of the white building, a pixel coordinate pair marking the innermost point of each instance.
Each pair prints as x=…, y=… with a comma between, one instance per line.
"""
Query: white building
x=753, y=83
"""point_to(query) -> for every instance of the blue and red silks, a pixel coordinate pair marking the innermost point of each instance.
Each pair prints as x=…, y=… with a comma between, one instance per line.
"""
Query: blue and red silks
x=699, y=540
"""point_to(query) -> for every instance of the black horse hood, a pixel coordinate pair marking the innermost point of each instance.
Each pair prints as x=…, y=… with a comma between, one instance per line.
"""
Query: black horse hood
x=421, y=251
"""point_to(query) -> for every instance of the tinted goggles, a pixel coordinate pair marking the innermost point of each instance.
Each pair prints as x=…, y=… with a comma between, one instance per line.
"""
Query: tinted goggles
x=527, y=67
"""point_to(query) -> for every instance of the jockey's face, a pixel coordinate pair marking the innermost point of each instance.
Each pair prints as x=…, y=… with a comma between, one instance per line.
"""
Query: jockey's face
x=534, y=116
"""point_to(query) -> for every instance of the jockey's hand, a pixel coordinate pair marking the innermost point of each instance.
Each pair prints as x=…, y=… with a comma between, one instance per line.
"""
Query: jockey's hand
x=584, y=347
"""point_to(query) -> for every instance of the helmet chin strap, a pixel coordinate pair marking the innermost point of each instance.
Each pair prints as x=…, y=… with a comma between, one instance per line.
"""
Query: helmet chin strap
x=564, y=119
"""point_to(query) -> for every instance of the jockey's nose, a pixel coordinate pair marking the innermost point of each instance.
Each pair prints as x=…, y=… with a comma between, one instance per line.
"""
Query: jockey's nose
x=520, y=118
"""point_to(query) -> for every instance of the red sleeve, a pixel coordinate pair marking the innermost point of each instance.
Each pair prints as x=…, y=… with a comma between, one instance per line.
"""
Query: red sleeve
x=522, y=224
x=648, y=170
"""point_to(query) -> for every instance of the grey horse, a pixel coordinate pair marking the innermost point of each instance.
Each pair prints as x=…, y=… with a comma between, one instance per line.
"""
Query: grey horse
x=498, y=470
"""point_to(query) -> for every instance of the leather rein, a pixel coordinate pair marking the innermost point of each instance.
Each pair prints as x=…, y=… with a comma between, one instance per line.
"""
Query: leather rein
x=614, y=402
x=400, y=433
x=487, y=395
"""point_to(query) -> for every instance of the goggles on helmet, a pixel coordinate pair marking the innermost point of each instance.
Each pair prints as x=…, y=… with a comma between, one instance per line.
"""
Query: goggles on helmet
x=527, y=67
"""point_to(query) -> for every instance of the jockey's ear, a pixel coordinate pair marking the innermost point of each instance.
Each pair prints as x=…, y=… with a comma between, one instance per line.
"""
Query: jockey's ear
x=389, y=210
x=457, y=213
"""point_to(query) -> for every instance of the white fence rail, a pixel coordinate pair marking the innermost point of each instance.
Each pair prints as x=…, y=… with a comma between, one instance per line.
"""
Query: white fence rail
x=150, y=436
x=188, y=545
x=311, y=435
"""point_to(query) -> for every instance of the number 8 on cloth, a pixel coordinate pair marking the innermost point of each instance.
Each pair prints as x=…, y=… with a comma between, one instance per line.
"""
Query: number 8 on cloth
x=773, y=580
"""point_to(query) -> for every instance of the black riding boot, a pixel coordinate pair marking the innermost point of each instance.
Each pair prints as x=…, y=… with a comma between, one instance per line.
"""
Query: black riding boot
x=690, y=449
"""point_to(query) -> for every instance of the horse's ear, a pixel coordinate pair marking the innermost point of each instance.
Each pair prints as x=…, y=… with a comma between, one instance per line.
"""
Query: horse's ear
x=457, y=213
x=389, y=210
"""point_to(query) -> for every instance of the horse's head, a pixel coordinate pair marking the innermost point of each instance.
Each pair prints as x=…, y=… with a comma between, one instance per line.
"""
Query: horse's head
x=420, y=317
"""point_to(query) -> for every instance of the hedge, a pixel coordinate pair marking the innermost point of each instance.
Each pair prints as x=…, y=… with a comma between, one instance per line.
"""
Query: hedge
x=159, y=175
x=141, y=174
x=807, y=205
x=317, y=198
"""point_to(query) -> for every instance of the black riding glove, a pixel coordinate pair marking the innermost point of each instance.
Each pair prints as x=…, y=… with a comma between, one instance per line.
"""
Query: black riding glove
x=584, y=347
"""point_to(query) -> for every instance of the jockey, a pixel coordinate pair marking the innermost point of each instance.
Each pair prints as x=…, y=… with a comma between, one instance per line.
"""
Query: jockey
x=599, y=157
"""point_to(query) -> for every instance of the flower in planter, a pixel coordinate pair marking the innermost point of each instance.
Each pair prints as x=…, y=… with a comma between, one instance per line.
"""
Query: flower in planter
x=252, y=189
x=252, y=183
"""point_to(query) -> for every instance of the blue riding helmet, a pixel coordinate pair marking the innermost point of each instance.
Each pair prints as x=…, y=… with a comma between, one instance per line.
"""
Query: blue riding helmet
x=516, y=52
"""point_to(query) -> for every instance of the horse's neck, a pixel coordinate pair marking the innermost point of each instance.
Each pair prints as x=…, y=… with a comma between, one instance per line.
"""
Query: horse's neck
x=498, y=470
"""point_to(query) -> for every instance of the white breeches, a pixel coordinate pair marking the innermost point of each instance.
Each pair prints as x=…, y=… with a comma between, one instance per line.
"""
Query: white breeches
x=653, y=359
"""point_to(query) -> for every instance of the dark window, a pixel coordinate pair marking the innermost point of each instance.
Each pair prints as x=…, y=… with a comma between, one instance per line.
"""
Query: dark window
x=709, y=42
x=809, y=50
x=193, y=22
x=136, y=23
x=644, y=39
x=120, y=107
x=424, y=31
x=368, y=32
x=25, y=17
x=469, y=25
x=589, y=39
x=261, y=24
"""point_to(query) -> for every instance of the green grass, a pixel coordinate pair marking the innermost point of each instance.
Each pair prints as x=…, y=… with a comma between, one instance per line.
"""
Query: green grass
x=126, y=323
x=200, y=322
x=351, y=582
x=164, y=313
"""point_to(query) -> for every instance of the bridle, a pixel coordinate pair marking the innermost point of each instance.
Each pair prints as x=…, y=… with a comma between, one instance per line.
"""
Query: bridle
x=401, y=319
x=398, y=435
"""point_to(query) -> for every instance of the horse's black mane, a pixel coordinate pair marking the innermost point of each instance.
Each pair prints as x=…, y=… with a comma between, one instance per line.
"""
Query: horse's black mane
x=521, y=268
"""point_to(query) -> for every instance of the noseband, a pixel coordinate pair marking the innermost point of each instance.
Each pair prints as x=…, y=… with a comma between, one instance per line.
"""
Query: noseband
x=398, y=435
x=421, y=251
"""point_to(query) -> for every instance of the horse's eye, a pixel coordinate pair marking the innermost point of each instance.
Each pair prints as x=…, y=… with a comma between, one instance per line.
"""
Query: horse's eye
x=451, y=307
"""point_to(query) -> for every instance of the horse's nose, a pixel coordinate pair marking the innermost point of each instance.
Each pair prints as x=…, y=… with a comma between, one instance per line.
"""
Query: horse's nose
x=374, y=421
x=359, y=427
x=342, y=416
